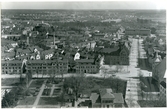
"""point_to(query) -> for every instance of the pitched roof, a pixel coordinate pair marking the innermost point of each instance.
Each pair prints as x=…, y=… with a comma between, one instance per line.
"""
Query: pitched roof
x=48, y=51
x=163, y=83
x=161, y=68
x=13, y=61
x=109, y=50
x=106, y=93
x=95, y=98
x=118, y=98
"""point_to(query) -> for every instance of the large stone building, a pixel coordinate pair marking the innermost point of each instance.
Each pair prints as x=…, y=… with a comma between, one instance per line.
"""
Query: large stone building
x=86, y=66
x=116, y=55
x=47, y=66
x=11, y=67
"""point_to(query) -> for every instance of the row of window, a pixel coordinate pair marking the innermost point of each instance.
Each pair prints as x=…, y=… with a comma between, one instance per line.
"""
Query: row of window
x=11, y=64
x=86, y=67
x=46, y=64
x=11, y=71
x=50, y=71
x=46, y=67
x=107, y=101
x=11, y=67
x=85, y=71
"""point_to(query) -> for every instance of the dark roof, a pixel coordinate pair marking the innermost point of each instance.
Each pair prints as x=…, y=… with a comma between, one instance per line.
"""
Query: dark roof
x=106, y=93
x=13, y=61
x=163, y=83
x=118, y=98
x=109, y=50
x=150, y=85
x=85, y=60
x=95, y=98
x=48, y=51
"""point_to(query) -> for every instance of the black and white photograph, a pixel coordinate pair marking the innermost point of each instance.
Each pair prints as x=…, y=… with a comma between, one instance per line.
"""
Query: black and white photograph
x=83, y=54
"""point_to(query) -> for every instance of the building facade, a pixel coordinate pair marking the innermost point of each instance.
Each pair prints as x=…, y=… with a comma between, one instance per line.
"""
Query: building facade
x=47, y=66
x=162, y=96
x=86, y=66
x=11, y=67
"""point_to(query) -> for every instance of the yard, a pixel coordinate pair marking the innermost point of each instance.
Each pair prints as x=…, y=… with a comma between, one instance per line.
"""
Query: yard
x=56, y=91
x=49, y=101
x=146, y=103
x=27, y=101
x=10, y=81
x=46, y=92
x=36, y=83
x=93, y=84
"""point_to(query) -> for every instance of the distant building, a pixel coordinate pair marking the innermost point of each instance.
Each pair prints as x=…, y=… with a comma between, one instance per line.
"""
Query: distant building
x=105, y=98
x=143, y=32
x=143, y=21
x=112, y=20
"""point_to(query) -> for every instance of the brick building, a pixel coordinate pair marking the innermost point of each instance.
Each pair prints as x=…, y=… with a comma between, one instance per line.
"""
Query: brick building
x=115, y=55
x=11, y=67
x=86, y=66
x=47, y=66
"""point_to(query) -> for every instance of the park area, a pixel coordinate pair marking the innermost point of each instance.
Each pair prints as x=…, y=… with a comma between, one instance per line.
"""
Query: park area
x=36, y=83
x=91, y=84
x=27, y=101
x=49, y=101
x=150, y=103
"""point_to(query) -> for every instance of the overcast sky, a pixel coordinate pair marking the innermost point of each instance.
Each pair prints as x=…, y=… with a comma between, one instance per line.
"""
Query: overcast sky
x=85, y=5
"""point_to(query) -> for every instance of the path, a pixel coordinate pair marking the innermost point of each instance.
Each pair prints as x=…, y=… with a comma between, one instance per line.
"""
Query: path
x=52, y=89
x=39, y=95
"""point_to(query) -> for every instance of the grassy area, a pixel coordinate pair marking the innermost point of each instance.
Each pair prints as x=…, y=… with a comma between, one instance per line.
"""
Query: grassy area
x=10, y=81
x=27, y=101
x=93, y=84
x=49, y=101
x=46, y=92
x=36, y=83
x=57, y=91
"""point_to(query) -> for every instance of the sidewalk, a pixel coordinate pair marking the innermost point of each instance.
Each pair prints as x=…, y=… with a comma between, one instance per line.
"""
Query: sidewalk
x=39, y=95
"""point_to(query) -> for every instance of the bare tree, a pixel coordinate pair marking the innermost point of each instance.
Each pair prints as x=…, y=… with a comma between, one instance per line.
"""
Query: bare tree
x=104, y=71
x=119, y=68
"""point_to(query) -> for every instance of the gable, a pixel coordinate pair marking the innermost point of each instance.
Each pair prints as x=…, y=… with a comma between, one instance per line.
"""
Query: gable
x=124, y=52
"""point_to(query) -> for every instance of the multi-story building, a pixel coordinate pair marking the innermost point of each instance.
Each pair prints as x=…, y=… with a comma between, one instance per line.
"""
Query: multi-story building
x=11, y=67
x=115, y=55
x=47, y=66
x=144, y=32
x=40, y=66
x=106, y=98
x=86, y=66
